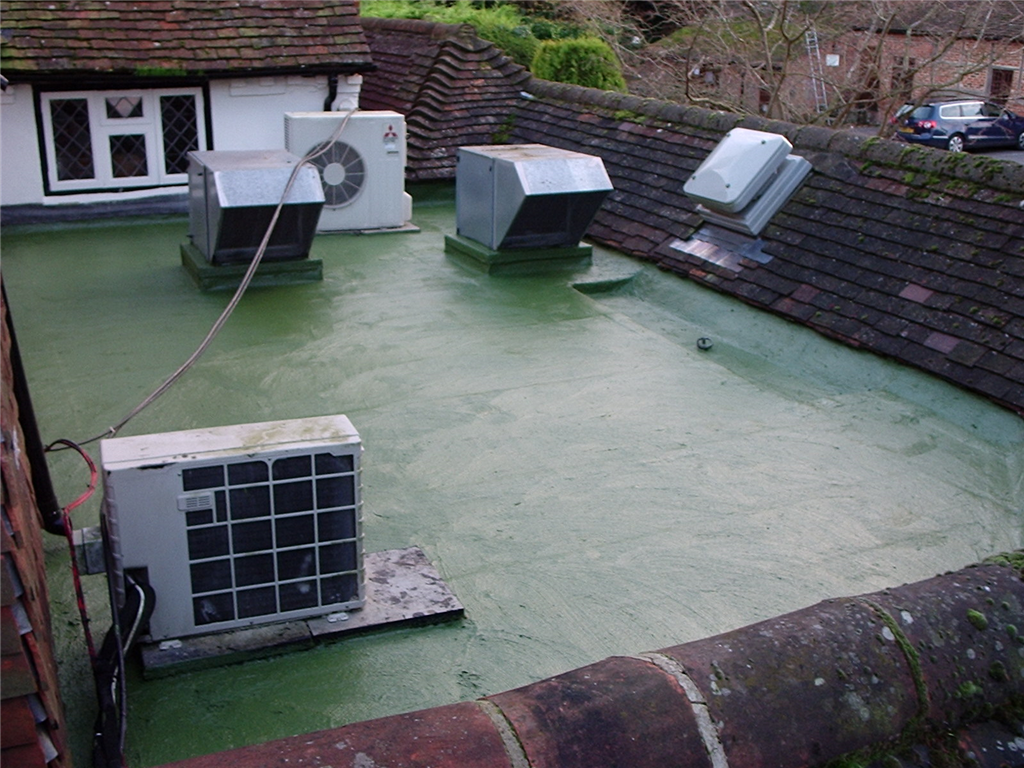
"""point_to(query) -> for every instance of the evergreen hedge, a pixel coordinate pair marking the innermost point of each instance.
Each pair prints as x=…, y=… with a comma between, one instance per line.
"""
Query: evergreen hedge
x=586, y=61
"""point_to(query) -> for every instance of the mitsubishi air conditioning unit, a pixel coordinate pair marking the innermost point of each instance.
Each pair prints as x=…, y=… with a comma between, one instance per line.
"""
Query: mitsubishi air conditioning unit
x=362, y=170
x=238, y=525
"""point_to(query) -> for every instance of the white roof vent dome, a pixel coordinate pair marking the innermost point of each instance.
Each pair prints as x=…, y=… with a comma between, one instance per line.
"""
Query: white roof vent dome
x=736, y=170
x=746, y=179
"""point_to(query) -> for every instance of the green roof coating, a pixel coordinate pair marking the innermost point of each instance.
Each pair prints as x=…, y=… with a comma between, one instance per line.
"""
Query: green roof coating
x=585, y=478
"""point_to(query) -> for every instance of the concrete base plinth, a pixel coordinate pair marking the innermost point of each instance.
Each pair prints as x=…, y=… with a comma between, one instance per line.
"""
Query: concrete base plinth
x=519, y=261
x=402, y=589
x=220, y=277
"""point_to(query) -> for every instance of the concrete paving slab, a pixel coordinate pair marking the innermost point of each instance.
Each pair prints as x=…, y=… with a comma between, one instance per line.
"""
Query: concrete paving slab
x=402, y=589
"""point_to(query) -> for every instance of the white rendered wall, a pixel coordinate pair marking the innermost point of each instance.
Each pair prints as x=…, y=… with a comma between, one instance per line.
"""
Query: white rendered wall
x=21, y=176
x=247, y=113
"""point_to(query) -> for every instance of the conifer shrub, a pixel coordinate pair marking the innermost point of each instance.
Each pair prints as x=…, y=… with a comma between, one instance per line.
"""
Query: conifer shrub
x=586, y=61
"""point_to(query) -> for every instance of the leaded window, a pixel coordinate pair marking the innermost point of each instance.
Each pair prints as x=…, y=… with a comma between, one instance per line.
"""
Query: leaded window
x=117, y=140
x=72, y=139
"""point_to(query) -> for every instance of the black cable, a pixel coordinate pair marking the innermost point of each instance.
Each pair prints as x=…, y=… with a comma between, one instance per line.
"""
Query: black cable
x=112, y=719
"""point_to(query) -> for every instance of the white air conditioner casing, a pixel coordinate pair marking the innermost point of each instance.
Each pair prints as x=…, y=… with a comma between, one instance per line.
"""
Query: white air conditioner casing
x=363, y=172
x=239, y=525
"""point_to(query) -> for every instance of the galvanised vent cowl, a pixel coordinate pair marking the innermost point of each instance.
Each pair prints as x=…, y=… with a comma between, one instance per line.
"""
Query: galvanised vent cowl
x=527, y=195
x=232, y=198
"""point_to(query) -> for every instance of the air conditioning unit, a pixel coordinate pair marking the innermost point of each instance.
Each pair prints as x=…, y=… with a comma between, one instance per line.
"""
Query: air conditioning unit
x=362, y=172
x=238, y=525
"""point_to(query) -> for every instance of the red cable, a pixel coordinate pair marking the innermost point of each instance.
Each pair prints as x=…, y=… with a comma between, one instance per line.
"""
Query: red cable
x=70, y=535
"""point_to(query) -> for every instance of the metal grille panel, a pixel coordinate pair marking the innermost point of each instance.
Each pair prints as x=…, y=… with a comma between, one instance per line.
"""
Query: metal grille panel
x=286, y=538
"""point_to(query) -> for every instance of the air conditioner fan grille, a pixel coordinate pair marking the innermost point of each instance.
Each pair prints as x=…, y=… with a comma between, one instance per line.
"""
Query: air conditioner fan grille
x=342, y=172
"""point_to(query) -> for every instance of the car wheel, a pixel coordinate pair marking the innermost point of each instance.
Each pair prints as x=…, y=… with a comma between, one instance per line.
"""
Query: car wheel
x=955, y=143
x=1020, y=140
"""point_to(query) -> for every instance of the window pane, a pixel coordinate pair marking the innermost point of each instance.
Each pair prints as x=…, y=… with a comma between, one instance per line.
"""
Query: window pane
x=180, y=131
x=72, y=141
x=122, y=107
x=128, y=156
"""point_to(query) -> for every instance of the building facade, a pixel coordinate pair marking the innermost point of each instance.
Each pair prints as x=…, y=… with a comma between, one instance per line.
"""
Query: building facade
x=104, y=101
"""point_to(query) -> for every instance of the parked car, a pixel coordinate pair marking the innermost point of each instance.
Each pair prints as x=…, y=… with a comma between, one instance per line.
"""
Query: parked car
x=959, y=125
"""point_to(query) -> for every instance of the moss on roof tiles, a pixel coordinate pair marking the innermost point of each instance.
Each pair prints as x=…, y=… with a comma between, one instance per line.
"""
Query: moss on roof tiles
x=88, y=36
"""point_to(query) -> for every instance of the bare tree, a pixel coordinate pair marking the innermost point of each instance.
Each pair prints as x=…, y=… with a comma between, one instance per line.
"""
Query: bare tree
x=810, y=61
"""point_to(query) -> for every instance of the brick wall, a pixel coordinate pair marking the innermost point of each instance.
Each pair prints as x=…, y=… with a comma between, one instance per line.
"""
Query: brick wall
x=32, y=730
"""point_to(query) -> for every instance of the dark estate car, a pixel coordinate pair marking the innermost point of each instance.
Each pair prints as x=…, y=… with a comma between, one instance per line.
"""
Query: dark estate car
x=960, y=125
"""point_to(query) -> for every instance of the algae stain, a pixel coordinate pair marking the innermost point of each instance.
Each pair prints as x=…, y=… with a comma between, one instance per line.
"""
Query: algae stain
x=977, y=619
x=998, y=672
x=968, y=689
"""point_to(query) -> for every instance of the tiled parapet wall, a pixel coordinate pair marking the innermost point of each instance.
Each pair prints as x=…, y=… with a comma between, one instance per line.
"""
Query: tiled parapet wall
x=861, y=674
x=913, y=253
x=31, y=712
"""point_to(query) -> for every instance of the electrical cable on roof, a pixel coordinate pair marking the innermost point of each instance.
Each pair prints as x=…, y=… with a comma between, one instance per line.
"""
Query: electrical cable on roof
x=239, y=292
x=109, y=664
x=69, y=534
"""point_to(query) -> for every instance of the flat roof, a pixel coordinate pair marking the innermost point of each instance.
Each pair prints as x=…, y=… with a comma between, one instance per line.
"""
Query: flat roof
x=584, y=476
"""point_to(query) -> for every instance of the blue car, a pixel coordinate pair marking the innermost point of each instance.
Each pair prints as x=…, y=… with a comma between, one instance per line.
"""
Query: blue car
x=960, y=125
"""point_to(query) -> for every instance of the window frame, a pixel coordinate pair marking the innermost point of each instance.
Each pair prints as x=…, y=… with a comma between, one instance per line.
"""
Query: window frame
x=102, y=128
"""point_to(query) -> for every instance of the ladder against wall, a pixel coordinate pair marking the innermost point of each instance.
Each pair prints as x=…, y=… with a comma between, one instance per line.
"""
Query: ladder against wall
x=817, y=72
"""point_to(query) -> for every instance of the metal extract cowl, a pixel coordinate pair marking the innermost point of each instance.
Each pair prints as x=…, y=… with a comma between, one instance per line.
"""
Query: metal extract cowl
x=527, y=195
